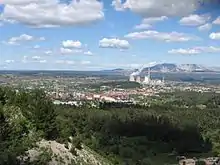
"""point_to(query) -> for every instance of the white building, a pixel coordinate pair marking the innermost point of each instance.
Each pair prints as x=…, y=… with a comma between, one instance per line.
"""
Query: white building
x=138, y=79
x=132, y=79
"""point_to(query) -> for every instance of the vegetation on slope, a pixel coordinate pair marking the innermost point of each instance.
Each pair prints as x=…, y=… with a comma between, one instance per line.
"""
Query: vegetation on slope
x=117, y=134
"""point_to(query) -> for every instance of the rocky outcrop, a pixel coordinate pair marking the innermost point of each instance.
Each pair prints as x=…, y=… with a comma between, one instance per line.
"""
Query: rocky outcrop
x=61, y=154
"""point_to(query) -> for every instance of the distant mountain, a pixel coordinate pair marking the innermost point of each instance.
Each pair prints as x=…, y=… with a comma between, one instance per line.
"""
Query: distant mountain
x=165, y=67
x=118, y=70
x=216, y=69
x=193, y=68
x=169, y=67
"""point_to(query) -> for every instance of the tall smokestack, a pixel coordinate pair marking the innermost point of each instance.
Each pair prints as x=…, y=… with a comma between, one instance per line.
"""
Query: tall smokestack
x=138, y=79
x=132, y=79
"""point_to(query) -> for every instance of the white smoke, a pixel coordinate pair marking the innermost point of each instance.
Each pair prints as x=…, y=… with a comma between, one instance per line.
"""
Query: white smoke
x=138, y=72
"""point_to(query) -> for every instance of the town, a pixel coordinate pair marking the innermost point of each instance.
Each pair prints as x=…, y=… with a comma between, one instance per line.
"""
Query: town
x=76, y=88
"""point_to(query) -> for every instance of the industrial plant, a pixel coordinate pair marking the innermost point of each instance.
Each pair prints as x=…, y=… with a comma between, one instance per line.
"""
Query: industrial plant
x=136, y=77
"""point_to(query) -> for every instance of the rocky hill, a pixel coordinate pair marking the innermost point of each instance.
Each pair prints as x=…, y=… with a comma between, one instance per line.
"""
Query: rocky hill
x=169, y=67
x=54, y=153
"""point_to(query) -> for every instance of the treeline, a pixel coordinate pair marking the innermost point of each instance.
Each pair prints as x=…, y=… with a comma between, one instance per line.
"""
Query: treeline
x=25, y=118
x=128, y=135
x=133, y=137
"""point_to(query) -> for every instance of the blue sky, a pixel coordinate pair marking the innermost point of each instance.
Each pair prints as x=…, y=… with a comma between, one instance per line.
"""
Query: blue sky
x=94, y=35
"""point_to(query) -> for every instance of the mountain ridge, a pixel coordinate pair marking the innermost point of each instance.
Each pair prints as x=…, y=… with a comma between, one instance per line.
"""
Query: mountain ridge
x=172, y=68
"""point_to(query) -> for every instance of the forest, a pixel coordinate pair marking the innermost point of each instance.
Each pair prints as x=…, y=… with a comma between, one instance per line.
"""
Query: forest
x=185, y=123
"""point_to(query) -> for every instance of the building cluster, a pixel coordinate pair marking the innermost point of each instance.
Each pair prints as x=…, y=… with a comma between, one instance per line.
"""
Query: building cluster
x=135, y=77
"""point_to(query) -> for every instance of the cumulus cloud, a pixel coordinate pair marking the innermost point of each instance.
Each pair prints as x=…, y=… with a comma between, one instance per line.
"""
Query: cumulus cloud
x=117, y=4
x=215, y=36
x=155, y=8
x=2, y=19
x=217, y=21
x=23, y=38
x=195, y=50
x=52, y=13
x=9, y=61
x=48, y=52
x=184, y=51
x=147, y=22
x=114, y=43
x=68, y=62
x=69, y=51
x=194, y=20
x=36, y=57
x=36, y=47
x=72, y=44
x=43, y=61
x=162, y=36
x=154, y=19
x=66, y=51
x=143, y=26
x=88, y=53
x=19, y=2
x=205, y=27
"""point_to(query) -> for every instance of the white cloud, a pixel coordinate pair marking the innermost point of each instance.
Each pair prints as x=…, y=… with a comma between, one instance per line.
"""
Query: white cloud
x=48, y=52
x=88, y=53
x=215, y=36
x=117, y=4
x=114, y=43
x=52, y=13
x=19, y=2
x=36, y=57
x=143, y=26
x=217, y=21
x=66, y=51
x=184, y=51
x=71, y=44
x=194, y=20
x=196, y=50
x=85, y=62
x=155, y=8
x=36, y=47
x=43, y=61
x=6, y=20
x=162, y=36
x=205, y=27
x=68, y=62
x=147, y=22
x=23, y=38
x=69, y=51
x=154, y=19
x=9, y=61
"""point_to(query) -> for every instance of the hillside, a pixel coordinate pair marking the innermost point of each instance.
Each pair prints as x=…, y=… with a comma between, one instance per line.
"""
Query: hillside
x=55, y=153
x=154, y=131
x=169, y=68
x=30, y=135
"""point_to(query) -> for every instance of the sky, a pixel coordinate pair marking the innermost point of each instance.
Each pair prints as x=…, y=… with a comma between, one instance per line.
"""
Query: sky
x=107, y=34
